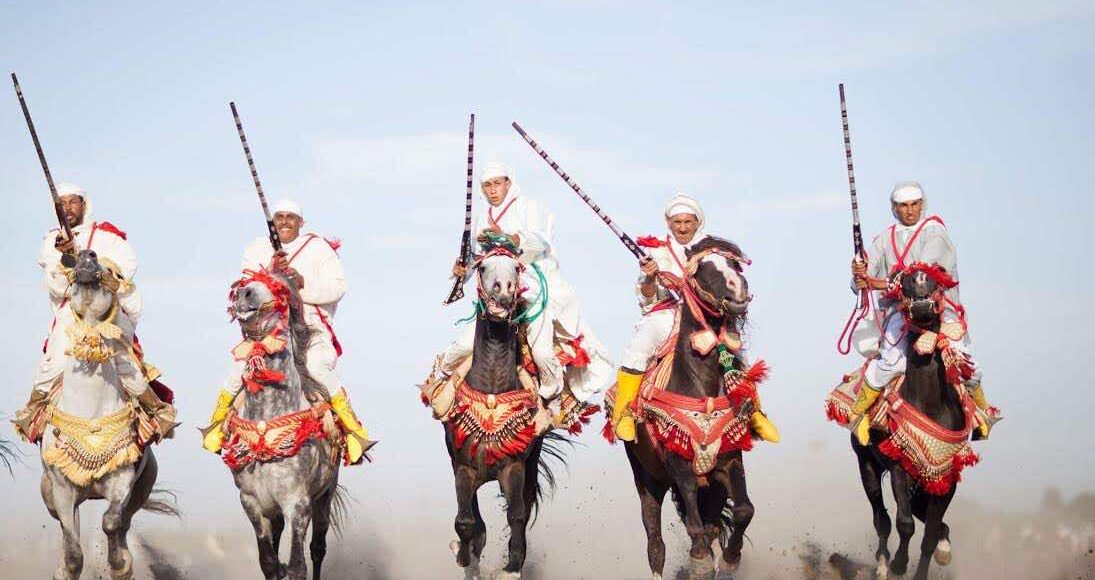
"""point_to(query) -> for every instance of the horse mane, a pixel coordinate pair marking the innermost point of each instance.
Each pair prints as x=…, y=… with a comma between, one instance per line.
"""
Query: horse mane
x=302, y=336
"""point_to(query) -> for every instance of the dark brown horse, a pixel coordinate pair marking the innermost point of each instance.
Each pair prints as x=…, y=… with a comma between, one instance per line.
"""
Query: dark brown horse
x=927, y=389
x=714, y=507
x=510, y=453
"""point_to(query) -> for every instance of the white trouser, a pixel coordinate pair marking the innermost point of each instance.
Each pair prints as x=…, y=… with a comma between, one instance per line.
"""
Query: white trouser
x=53, y=362
x=891, y=360
x=651, y=331
x=320, y=360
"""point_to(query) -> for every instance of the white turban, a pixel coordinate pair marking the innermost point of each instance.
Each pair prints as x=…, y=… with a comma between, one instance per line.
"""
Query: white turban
x=66, y=188
x=289, y=206
x=906, y=191
x=684, y=204
x=495, y=169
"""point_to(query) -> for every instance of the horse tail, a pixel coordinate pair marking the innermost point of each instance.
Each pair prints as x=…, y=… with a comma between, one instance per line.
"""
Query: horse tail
x=725, y=519
x=540, y=479
x=7, y=455
x=340, y=508
x=162, y=501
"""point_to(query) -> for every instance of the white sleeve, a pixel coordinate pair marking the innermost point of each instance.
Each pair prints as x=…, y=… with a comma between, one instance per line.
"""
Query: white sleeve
x=324, y=281
x=538, y=232
x=121, y=252
x=49, y=259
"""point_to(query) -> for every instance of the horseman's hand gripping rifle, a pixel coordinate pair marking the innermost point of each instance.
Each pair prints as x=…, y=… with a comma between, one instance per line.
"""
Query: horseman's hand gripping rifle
x=67, y=259
x=275, y=242
x=465, y=257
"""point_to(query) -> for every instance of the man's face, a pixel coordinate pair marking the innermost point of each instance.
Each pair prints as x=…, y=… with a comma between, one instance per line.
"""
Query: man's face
x=287, y=225
x=683, y=227
x=908, y=212
x=496, y=189
x=73, y=207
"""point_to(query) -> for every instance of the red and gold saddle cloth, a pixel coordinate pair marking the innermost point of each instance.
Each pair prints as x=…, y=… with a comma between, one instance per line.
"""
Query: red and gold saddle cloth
x=697, y=429
x=273, y=439
x=497, y=426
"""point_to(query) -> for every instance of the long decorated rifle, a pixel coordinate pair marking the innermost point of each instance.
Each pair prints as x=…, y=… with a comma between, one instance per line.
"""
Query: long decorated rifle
x=67, y=259
x=863, y=303
x=623, y=237
x=275, y=242
x=464, y=259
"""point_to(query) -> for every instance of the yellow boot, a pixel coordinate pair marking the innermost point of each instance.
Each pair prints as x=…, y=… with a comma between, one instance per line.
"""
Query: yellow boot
x=866, y=398
x=762, y=425
x=213, y=435
x=355, y=436
x=627, y=388
x=988, y=416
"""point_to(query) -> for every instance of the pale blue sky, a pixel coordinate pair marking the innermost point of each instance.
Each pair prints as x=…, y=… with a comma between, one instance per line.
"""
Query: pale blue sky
x=358, y=110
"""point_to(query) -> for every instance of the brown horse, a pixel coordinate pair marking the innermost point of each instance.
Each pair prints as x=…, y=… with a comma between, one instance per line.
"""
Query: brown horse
x=928, y=390
x=714, y=507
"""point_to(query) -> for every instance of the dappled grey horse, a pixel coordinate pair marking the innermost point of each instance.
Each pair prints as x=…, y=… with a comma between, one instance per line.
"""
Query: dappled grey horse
x=92, y=402
x=298, y=486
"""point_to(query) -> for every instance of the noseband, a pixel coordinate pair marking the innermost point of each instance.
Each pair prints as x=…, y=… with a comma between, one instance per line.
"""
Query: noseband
x=707, y=300
x=477, y=264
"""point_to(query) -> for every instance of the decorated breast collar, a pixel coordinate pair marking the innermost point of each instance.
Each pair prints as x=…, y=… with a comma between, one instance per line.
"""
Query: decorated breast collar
x=254, y=352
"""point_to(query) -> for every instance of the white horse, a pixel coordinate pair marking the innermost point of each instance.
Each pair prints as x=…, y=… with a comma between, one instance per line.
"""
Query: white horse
x=90, y=445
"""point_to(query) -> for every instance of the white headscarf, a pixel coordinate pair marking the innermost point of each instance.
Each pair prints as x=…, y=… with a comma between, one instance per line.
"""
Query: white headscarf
x=683, y=203
x=494, y=169
x=68, y=188
x=906, y=191
x=288, y=206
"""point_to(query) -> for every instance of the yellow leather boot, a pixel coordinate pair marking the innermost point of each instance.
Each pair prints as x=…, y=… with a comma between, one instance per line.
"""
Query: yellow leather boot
x=988, y=416
x=627, y=388
x=355, y=436
x=213, y=435
x=866, y=398
x=762, y=425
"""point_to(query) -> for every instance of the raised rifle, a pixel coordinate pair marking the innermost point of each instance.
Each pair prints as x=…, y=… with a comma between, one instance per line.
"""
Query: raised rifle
x=275, y=242
x=464, y=259
x=863, y=303
x=67, y=259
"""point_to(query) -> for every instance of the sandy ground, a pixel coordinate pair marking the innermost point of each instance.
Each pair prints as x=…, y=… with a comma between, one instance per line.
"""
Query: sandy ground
x=590, y=529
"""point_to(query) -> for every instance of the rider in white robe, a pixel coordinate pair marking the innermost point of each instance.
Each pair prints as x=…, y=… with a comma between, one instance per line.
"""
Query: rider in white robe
x=533, y=226
x=906, y=242
x=313, y=261
x=685, y=221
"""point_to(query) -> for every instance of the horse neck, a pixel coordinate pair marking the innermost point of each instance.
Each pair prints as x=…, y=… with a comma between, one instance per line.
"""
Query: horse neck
x=694, y=375
x=927, y=389
x=275, y=400
x=494, y=357
x=90, y=389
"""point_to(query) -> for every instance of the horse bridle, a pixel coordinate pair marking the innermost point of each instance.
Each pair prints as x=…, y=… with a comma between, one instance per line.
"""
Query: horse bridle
x=707, y=301
x=497, y=251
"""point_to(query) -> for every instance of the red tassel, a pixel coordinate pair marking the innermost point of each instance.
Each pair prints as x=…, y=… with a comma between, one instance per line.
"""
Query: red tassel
x=649, y=242
x=163, y=392
x=833, y=413
x=608, y=432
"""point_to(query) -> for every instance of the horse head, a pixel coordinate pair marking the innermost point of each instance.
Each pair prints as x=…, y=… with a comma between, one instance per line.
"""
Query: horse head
x=96, y=282
x=714, y=272
x=922, y=288
x=499, y=283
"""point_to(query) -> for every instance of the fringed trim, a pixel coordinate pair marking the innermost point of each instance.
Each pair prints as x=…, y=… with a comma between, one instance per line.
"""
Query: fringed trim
x=937, y=479
x=496, y=426
x=277, y=438
x=88, y=449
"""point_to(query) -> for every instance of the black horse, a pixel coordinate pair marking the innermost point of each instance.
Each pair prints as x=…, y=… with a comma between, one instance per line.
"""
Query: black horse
x=714, y=507
x=927, y=389
x=493, y=383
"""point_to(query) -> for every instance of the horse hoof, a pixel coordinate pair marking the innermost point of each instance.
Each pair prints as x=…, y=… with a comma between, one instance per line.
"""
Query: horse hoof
x=943, y=552
x=899, y=568
x=656, y=576
x=729, y=566
x=882, y=571
x=701, y=568
x=503, y=575
x=455, y=547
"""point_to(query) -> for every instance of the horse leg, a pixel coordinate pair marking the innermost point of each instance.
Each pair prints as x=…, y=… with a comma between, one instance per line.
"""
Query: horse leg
x=741, y=514
x=277, y=526
x=702, y=563
x=943, y=548
x=933, y=531
x=64, y=506
x=321, y=522
x=300, y=518
x=512, y=481
x=870, y=473
x=118, y=490
x=651, y=496
x=467, y=518
x=902, y=492
x=264, y=537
